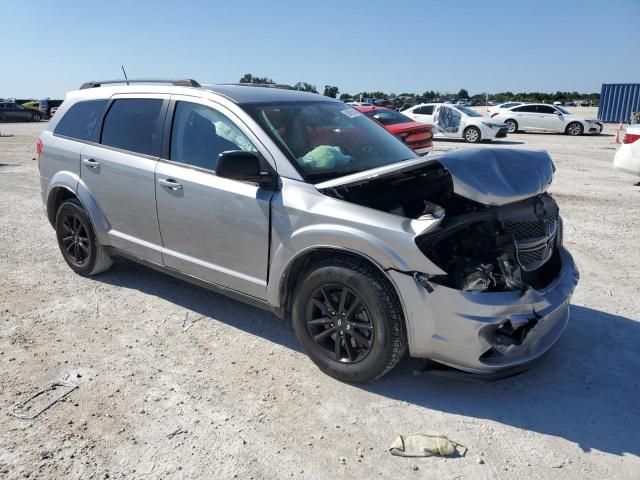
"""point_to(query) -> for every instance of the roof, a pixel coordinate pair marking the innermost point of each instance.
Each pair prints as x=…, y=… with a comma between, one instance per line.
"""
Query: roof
x=244, y=94
x=237, y=93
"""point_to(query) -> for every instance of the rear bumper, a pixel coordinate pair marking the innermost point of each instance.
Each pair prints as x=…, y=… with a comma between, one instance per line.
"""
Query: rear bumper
x=458, y=328
x=625, y=161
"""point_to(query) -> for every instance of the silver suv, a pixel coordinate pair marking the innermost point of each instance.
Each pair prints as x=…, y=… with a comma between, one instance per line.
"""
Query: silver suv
x=300, y=204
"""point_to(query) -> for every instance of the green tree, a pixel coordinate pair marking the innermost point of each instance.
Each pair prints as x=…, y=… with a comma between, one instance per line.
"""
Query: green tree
x=249, y=78
x=330, y=91
x=305, y=87
x=345, y=97
x=463, y=93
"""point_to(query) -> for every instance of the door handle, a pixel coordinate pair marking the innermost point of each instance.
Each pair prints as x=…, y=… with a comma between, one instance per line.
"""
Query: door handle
x=170, y=183
x=90, y=162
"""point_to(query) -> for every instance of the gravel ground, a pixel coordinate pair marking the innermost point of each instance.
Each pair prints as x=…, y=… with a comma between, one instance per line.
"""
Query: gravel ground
x=177, y=382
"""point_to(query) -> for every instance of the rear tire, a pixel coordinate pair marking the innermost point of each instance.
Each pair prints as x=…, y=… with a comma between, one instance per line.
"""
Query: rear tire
x=575, y=129
x=472, y=135
x=512, y=126
x=355, y=336
x=78, y=242
x=36, y=117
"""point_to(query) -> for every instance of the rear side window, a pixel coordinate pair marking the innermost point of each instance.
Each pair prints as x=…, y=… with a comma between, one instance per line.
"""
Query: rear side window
x=132, y=124
x=427, y=110
x=82, y=121
x=526, y=109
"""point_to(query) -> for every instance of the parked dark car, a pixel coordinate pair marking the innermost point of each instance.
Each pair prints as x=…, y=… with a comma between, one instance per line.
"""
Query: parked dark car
x=46, y=106
x=12, y=112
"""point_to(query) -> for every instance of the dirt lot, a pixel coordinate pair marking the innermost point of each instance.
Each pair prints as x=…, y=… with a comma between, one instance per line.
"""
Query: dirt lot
x=177, y=382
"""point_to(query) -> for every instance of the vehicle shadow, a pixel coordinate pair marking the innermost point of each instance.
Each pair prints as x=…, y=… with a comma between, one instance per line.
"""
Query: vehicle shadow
x=204, y=302
x=585, y=391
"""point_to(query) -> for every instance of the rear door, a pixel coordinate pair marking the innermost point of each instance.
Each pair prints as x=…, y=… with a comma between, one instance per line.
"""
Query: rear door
x=120, y=172
x=213, y=228
x=526, y=116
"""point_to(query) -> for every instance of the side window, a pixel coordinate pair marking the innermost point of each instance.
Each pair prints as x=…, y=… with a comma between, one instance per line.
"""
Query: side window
x=200, y=134
x=131, y=124
x=546, y=109
x=427, y=110
x=526, y=109
x=82, y=121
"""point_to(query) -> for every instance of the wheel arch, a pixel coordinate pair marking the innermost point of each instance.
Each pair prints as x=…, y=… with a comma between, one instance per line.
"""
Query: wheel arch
x=303, y=260
x=65, y=185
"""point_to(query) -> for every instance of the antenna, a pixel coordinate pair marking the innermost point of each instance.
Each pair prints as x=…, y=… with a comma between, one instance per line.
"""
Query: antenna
x=125, y=74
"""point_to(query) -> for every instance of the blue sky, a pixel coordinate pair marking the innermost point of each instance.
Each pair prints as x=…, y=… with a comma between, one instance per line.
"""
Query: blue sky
x=50, y=47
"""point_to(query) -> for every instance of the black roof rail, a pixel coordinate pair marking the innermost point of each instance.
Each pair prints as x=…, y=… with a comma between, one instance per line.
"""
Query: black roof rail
x=178, y=83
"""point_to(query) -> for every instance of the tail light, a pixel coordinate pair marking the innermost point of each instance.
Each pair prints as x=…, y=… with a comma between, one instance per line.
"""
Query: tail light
x=494, y=114
x=39, y=149
x=630, y=137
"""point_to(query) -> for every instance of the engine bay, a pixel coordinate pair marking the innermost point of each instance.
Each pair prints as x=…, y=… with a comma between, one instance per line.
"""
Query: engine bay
x=481, y=248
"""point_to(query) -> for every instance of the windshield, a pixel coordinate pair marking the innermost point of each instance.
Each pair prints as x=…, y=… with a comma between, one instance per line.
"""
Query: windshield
x=388, y=117
x=326, y=140
x=562, y=110
x=467, y=111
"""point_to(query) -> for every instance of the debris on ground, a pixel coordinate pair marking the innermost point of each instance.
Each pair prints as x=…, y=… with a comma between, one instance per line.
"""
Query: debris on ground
x=426, y=445
x=25, y=411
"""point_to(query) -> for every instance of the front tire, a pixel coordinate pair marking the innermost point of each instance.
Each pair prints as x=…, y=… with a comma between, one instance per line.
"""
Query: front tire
x=78, y=242
x=512, y=126
x=347, y=319
x=472, y=135
x=575, y=129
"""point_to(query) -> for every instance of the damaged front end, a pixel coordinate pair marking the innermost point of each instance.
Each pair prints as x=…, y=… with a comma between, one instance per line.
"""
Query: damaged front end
x=500, y=297
x=494, y=249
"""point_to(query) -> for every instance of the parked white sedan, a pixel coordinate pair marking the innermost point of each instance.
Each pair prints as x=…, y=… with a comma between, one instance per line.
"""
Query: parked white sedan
x=456, y=121
x=627, y=157
x=502, y=106
x=546, y=118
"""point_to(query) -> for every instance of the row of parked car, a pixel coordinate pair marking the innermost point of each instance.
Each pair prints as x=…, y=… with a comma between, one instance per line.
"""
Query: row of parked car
x=28, y=111
x=446, y=120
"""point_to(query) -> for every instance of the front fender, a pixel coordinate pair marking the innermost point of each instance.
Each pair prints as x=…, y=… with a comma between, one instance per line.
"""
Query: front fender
x=304, y=220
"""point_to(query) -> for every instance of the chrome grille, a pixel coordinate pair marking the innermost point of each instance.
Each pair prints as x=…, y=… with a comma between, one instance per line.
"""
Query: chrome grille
x=534, y=238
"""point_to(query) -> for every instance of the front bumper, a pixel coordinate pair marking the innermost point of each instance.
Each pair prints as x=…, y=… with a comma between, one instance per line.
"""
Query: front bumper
x=593, y=127
x=457, y=328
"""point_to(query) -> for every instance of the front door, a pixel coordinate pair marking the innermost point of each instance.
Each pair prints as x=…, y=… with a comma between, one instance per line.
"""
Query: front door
x=550, y=119
x=213, y=228
x=448, y=121
x=120, y=173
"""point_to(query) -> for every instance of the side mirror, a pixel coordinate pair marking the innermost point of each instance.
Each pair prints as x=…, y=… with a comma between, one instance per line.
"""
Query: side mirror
x=243, y=166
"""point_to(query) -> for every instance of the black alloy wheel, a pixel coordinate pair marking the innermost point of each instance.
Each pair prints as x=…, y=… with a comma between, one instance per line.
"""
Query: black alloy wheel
x=348, y=319
x=74, y=239
x=339, y=323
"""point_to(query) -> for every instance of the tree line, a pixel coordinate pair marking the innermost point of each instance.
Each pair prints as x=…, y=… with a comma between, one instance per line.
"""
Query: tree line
x=434, y=95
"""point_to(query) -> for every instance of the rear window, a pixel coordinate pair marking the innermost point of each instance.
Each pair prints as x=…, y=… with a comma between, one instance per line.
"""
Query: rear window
x=81, y=121
x=388, y=117
x=132, y=124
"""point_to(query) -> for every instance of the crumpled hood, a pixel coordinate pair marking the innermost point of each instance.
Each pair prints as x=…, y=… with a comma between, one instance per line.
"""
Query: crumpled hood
x=497, y=176
x=491, y=176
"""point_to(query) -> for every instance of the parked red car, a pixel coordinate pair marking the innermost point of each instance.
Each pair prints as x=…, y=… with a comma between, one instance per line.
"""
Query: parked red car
x=417, y=136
